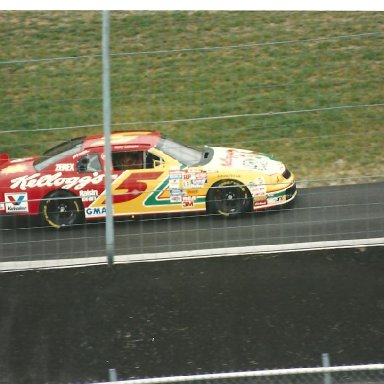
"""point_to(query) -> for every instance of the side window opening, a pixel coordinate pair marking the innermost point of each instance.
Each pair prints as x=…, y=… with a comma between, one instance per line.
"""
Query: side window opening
x=134, y=160
x=127, y=160
x=89, y=163
x=151, y=160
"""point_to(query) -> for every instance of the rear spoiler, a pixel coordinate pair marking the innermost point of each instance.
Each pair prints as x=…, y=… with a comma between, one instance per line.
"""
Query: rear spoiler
x=4, y=158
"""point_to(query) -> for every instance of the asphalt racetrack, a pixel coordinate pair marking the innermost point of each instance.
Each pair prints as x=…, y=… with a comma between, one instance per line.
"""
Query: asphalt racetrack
x=192, y=316
x=319, y=214
x=195, y=316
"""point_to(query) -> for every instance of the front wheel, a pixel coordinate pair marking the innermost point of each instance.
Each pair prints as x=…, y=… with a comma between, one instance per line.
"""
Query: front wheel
x=61, y=209
x=229, y=198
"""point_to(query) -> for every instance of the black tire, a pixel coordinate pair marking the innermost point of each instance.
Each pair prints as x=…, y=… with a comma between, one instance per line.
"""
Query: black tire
x=229, y=198
x=61, y=209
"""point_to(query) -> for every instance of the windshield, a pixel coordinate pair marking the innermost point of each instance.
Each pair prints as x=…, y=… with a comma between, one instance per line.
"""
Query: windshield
x=185, y=155
x=58, y=153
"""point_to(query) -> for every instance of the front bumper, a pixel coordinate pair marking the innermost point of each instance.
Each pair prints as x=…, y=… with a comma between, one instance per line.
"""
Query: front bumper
x=277, y=198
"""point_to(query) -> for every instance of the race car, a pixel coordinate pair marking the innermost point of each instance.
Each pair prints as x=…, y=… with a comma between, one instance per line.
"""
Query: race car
x=151, y=174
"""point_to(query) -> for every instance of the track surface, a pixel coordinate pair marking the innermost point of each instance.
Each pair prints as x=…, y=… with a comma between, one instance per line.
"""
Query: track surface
x=193, y=316
x=319, y=214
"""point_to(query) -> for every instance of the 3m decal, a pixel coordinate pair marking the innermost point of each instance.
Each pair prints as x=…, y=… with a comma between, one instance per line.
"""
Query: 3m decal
x=188, y=201
x=16, y=202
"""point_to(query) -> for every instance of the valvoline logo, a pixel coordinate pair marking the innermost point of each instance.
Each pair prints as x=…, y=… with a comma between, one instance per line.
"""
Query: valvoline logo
x=16, y=202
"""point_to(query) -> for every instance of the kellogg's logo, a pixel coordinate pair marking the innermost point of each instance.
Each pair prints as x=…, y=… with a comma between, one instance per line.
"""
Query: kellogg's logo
x=56, y=180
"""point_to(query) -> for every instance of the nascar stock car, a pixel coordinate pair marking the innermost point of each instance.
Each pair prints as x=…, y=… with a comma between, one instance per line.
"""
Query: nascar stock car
x=151, y=174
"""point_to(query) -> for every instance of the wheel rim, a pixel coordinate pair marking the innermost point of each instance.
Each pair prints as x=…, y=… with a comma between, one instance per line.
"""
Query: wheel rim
x=61, y=211
x=230, y=200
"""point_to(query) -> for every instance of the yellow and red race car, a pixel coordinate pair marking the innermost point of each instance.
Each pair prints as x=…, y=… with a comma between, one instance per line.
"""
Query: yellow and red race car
x=151, y=174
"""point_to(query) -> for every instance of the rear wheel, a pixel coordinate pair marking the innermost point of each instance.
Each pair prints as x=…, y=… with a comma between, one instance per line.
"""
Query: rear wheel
x=61, y=209
x=229, y=198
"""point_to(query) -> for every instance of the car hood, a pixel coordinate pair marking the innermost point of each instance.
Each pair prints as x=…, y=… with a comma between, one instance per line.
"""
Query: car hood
x=244, y=160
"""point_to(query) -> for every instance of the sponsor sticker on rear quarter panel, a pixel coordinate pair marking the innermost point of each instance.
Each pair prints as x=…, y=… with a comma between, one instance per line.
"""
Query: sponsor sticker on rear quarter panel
x=16, y=202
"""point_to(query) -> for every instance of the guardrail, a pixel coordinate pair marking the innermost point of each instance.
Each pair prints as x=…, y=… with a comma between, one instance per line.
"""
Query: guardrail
x=354, y=374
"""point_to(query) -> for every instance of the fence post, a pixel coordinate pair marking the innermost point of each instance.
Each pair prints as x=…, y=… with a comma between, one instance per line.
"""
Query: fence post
x=326, y=364
x=109, y=235
x=112, y=374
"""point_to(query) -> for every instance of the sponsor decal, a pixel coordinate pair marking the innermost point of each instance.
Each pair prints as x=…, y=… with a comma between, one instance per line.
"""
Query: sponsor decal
x=39, y=181
x=161, y=196
x=228, y=159
x=80, y=154
x=187, y=179
x=16, y=202
x=89, y=195
x=264, y=164
x=97, y=211
x=228, y=175
x=258, y=189
x=176, y=192
x=257, y=163
x=258, y=203
x=174, y=183
x=175, y=175
x=175, y=199
x=198, y=183
x=65, y=167
x=188, y=201
x=276, y=200
x=201, y=175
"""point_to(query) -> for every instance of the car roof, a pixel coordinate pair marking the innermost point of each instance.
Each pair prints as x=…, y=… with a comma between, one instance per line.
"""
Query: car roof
x=125, y=140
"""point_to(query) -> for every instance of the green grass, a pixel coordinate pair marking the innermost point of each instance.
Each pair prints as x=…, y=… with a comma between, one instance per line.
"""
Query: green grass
x=149, y=85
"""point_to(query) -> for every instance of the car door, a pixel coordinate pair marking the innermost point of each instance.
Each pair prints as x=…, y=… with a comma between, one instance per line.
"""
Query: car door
x=89, y=168
x=133, y=184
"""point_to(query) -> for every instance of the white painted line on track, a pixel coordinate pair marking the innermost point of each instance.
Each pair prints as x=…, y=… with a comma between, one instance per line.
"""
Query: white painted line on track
x=11, y=266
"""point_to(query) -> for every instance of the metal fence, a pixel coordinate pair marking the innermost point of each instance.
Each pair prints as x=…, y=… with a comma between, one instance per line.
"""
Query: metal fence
x=358, y=374
x=254, y=80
